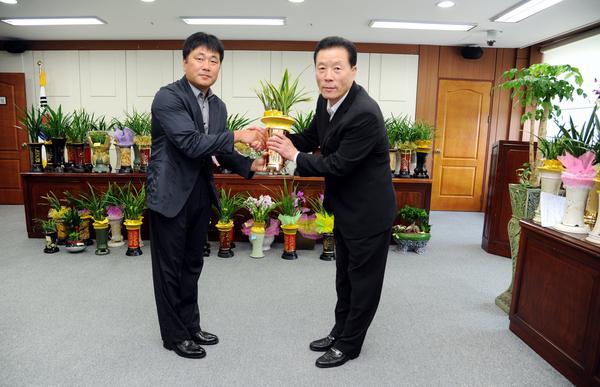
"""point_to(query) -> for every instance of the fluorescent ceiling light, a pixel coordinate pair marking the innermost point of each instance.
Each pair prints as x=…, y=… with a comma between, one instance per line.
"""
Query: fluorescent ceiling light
x=296, y=1
x=8, y=1
x=147, y=1
x=420, y=26
x=445, y=4
x=54, y=21
x=242, y=21
x=524, y=10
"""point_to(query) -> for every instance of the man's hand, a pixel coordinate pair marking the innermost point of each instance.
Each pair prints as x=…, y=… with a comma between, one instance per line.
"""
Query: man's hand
x=282, y=145
x=255, y=136
x=260, y=164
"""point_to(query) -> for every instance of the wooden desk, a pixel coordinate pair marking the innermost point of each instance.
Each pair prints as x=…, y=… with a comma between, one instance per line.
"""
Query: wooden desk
x=414, y=192
x=555, y=307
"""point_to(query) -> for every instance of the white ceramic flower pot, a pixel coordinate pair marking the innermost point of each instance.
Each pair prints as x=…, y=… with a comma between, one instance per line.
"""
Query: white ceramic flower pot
x=550, y=184
x=573, y=221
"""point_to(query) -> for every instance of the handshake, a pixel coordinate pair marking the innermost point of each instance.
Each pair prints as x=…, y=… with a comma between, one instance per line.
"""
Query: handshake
x=256, y=137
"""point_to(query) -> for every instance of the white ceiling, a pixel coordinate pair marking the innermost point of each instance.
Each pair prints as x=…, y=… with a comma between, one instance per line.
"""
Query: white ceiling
x=311, y=20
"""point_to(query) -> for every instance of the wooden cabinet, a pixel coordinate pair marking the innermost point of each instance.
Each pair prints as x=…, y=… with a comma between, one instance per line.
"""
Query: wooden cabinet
x=507, y=157
x=414, y=192
x=555, y=307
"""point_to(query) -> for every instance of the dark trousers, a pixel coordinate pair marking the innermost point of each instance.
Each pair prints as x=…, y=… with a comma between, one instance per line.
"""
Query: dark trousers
x=177, y=246
x=360, y=267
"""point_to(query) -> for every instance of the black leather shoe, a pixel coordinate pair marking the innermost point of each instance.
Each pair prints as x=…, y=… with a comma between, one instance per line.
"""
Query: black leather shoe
x=205, y=338
x=186, y=348
x=333, y=358
x=322, y=345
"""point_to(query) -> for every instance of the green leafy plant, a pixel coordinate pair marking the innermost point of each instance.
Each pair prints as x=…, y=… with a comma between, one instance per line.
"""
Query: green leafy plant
x=53, y=201
x=237, y=121
x=551, y=148
x=57, y=123
x=81, y=123
x=260, y=208
x=302, y=121
x=577, y=142
x=47, y=226
x=423, y=131
x=283, y=96
x=401, y=132
x=131, y=199
x=102, y=125
x=417, y=218
x=140, y=123
x=524, y=174
x=94, y=201
x=229, y=204
x=536, y=89
x=32, y=121
x=72, y=220
x=324, y=220
x=289, y=210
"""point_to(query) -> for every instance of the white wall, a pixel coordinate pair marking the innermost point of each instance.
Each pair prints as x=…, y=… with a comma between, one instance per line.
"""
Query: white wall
x=114, y=81
x=585, y=55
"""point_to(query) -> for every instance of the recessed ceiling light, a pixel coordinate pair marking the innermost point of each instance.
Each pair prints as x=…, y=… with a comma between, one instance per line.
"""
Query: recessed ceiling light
x=296, y=1
x=240, y=21
x=54, y=21
x=420, y=25
x=147, y=1
x=445, y=4
x=523, y=10
x=8, y=1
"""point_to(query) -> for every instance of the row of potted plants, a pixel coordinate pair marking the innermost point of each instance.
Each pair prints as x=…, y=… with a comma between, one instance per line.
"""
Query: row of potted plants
x=81, y=133
x=405, y=137
x=69, y=219
x=290, y=212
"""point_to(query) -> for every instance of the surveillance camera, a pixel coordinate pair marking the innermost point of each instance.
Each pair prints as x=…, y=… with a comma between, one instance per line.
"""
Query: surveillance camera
x=491, y=37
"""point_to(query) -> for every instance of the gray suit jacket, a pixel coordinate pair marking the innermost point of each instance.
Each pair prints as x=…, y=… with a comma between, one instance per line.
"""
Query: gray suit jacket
x=181, y=151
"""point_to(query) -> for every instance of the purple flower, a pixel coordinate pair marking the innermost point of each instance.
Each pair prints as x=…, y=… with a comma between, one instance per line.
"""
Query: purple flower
x=114, y=212
x=124, y=137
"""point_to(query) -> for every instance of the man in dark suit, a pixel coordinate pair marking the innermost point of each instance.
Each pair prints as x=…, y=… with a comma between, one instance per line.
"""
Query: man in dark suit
x=189, y=126
x=349, y=129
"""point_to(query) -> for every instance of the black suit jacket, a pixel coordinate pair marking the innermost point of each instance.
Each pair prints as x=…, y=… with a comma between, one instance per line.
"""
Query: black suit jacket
x=181, y=151
x=355, y=162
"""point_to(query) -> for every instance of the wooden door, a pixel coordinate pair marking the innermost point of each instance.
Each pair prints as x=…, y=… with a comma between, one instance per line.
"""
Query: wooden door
x=14, y=157
x=460, y=145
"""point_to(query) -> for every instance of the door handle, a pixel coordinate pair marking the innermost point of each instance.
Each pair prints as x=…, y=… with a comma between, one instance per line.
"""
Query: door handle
x=438, y=150
x=24, y=145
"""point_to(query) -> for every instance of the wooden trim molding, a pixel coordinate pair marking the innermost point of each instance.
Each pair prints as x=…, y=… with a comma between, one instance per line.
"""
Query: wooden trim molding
x=258, y=45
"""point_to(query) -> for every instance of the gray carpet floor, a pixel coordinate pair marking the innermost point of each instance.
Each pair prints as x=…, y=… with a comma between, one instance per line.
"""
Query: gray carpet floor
x=81, y=319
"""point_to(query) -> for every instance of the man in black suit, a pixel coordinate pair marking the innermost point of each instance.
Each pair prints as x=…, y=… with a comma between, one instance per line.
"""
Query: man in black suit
x=349, y=129
x=189, y=126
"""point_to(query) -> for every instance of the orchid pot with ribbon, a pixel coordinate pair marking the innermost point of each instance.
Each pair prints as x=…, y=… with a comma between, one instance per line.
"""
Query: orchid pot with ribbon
x=259, y=210
x=228, y=206
x=289, y=214
x=324, y=223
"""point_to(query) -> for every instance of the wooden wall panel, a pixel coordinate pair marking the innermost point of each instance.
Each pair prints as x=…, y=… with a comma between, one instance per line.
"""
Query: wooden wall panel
x=427, y=84
x=103, y=82
x=454, y=66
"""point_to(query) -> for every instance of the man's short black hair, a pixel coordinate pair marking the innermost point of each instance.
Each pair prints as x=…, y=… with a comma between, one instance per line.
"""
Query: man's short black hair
x=336, y=41
x=203, y=39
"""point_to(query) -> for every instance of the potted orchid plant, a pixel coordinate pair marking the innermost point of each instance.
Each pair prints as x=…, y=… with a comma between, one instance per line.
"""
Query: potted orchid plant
x=259, y=210
x=289, y=214
x=228, y=205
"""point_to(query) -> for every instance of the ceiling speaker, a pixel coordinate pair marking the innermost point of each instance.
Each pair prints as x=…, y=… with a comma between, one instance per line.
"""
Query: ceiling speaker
x=15, y=46
x=471, y=52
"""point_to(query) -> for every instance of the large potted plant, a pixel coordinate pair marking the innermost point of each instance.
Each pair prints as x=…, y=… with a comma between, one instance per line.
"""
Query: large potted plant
x=76, y=134
x=141, y=124
x=99, y=142
x=133, y=202
x=277, y=101
x=259, y=210
x=537, y=88
x=415, y=232
x=96, y=202
x=393, y=127
x=228, y=206
x=405, y=144
x=57, y=126
x=289, y=214
x=32, y=121
x=424, y=134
